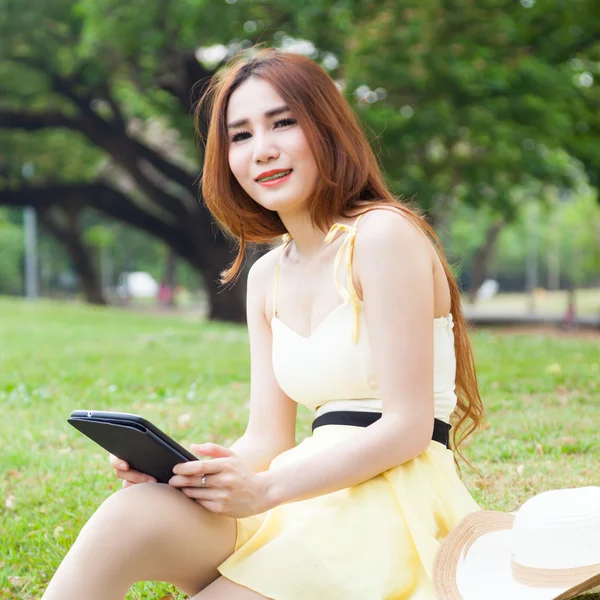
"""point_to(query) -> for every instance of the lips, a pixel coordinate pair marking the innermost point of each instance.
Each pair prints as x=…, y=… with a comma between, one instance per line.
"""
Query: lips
x=268, y=174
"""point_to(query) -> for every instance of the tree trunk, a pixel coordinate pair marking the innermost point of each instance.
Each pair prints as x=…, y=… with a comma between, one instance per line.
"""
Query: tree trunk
x=198, y=240
x=482, y=257
x=173, y=211
x=88, y=274
x=231, y=304
x=80, y=255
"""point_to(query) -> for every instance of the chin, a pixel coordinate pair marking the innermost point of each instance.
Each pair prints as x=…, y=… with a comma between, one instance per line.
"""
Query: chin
x=283, y=204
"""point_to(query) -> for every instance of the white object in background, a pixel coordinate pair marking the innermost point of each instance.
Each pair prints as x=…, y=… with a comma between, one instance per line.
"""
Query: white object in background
x=489, y=288
x=137, y=285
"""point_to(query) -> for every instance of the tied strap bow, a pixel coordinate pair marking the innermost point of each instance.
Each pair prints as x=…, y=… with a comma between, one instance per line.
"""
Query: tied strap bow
x=349, y=294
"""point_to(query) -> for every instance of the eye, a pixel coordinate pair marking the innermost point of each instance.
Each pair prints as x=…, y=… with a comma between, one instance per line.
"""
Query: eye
x=242, y=135
x=285, y=122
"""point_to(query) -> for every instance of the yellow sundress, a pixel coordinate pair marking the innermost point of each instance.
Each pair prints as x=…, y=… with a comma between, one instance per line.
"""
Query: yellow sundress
x=373, y=541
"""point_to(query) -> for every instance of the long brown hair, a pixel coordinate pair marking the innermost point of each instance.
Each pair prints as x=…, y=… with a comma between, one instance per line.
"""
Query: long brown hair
x=350, y=183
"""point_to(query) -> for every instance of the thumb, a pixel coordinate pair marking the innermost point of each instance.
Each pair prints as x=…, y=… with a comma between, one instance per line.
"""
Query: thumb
x=212, y=450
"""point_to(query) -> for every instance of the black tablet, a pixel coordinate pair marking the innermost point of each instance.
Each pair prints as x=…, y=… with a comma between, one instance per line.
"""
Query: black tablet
x=134, y=439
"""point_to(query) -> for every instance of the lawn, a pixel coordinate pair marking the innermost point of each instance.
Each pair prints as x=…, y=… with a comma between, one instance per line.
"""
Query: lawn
x=190, y=377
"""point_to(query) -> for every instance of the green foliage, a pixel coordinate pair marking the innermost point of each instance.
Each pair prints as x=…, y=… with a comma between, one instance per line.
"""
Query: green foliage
x=56, y=155
x=477, y=103
x=580, y=240
x=100, y=236
x=571, y=228
x=467, y=99
x=472, y=107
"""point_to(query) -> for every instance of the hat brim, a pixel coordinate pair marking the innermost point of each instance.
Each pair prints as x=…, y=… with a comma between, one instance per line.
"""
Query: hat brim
x=488, y=573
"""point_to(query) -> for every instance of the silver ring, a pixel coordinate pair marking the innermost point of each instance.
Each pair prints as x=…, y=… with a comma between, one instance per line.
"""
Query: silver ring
x=203, y=480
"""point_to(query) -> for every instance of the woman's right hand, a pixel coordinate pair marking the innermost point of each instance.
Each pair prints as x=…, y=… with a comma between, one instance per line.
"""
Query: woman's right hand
x=129, y=476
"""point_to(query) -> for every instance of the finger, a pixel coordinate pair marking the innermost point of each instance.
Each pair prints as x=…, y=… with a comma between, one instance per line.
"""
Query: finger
x=202, y=467
x=181, y=481
x=212, y=450
x=203, y=494
x=220, y=480
x=134, y=476
x=127, y=483
x=117, y=463
x=215, y=507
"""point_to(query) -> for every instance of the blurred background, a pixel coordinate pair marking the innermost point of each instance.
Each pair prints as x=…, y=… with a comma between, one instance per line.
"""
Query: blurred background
x=484, y=112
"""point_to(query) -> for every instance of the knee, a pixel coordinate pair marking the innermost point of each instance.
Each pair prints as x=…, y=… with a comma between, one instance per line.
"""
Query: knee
x=138, y=496
x=134, y=513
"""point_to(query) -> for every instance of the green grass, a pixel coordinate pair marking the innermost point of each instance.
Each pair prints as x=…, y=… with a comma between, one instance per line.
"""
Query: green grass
x=191, y=378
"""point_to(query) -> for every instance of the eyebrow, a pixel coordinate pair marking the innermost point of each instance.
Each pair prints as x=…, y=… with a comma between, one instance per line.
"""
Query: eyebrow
x=270, y=113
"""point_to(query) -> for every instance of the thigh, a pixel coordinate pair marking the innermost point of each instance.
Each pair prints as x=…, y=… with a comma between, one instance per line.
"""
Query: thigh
x=163, y=535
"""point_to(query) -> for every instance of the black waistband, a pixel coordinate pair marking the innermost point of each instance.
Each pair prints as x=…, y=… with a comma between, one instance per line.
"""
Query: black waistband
x=358, y=418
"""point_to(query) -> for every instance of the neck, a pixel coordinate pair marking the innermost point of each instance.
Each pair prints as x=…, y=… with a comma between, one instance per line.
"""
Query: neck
x=308, y=239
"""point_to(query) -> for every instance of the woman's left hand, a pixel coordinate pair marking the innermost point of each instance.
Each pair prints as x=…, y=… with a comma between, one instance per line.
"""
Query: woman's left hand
x=231, y=488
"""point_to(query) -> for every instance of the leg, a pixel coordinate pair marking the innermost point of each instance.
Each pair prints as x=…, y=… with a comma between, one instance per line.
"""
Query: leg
x=225, y=589
x=145, y=532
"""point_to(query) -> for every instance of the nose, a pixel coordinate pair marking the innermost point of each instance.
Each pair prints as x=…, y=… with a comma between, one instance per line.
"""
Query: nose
x=264, y=148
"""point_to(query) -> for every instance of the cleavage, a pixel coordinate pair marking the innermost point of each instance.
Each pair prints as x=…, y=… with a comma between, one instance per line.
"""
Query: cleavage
x=309, y=290
x=316, y=323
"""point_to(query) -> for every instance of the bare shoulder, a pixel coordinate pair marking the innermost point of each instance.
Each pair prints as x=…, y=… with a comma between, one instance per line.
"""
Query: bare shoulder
x=260, y=279
x=264, y=267
x=384, y=233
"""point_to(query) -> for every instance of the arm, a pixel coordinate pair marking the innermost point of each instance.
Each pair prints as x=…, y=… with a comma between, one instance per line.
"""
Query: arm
x=394, y=265
x=254, y=453
x=272, y=422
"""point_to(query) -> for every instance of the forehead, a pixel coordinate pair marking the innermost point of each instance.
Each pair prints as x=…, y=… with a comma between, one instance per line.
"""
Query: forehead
x=252, y=99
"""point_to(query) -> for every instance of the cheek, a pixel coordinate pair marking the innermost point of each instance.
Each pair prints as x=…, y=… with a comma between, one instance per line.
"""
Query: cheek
x=301, y=148
x=236, y=164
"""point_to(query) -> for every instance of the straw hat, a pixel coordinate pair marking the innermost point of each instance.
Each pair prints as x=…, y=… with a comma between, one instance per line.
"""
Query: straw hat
x=548, y=550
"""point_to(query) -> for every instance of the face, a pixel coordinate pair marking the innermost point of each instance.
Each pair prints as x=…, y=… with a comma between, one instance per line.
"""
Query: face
x=265, y=141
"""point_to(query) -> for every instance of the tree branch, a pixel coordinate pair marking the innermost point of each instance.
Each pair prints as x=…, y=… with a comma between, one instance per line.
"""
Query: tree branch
x=110, y=136
x=40, y=120
x=80, y=254
x=166, y=167
x=101, y=197
x=119, y=120
x=117, y=147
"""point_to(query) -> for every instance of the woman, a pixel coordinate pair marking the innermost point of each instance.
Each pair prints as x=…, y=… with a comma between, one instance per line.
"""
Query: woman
x=358, y=509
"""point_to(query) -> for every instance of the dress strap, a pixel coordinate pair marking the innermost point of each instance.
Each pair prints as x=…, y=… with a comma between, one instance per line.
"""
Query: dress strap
x=286, y=239
x=349, y=294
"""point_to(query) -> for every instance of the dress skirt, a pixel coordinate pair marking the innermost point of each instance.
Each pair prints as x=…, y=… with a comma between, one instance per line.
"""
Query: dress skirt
x=373, y=541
